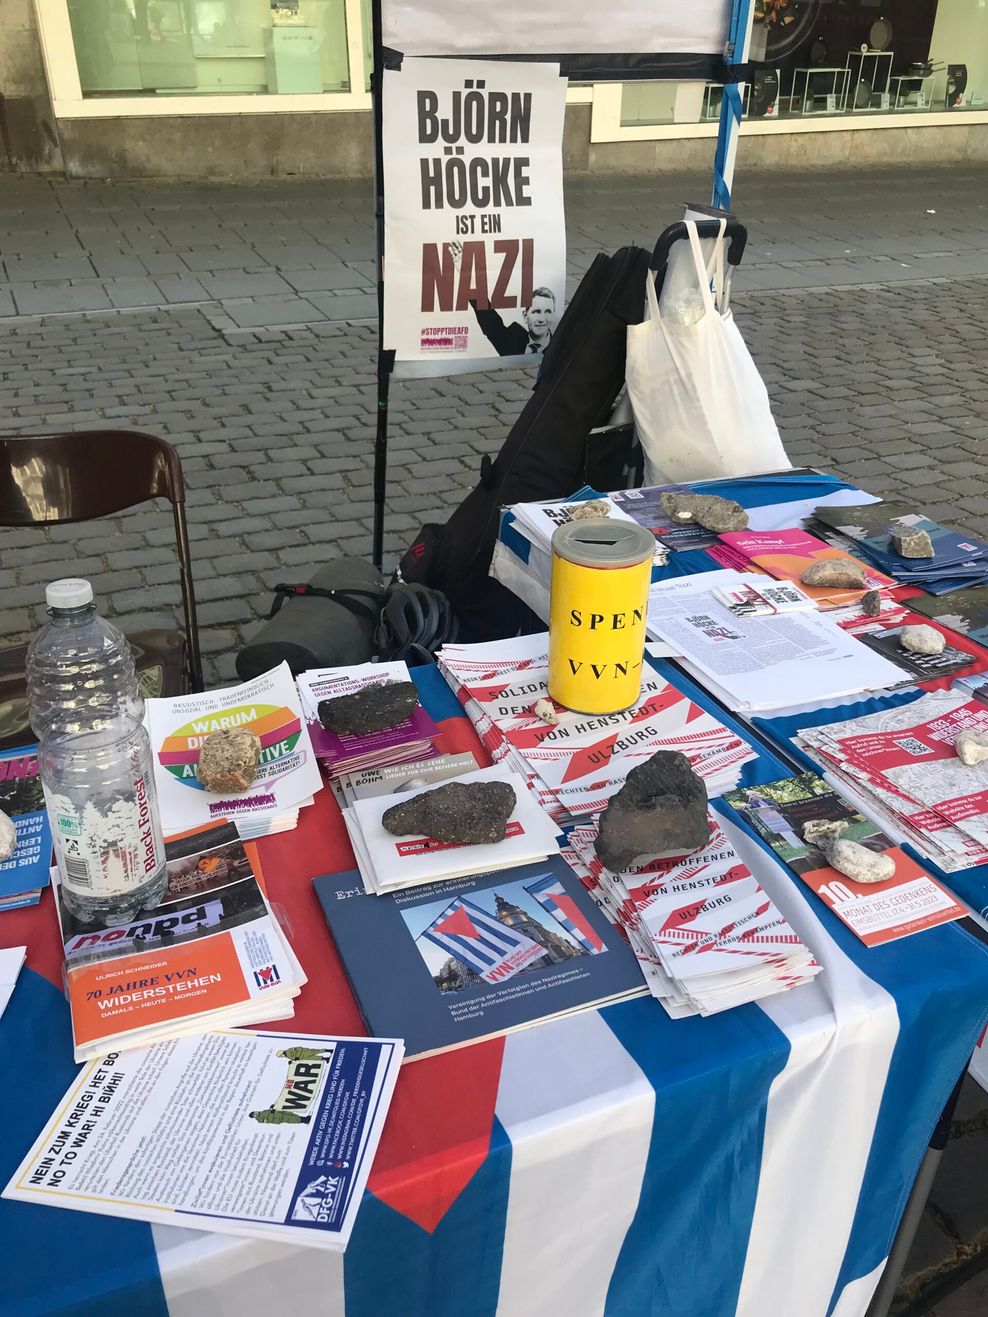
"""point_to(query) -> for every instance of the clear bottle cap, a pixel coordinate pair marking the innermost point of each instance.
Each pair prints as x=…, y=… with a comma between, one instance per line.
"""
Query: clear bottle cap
x=69, y=593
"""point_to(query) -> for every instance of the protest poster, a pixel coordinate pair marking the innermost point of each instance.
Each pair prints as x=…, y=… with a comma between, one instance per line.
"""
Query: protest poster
x=475, y=238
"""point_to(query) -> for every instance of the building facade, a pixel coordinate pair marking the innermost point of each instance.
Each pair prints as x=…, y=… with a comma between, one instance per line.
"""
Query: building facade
x=231, y=89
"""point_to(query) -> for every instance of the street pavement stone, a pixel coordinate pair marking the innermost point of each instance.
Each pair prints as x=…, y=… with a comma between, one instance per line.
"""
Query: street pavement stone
x=238, y=322
x=281, y=423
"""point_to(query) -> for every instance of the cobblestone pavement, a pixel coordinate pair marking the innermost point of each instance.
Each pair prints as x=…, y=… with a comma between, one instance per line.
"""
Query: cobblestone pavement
x=875, y=364
x=238, y=323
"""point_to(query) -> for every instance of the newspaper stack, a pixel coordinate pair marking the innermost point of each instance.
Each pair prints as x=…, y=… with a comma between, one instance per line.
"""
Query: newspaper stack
x=531, y=525
x=760, y=663
x=388, y=863
x=575, y=763
x=706, y=934
x=287, y=773
x=901, y=767
x=405, y=742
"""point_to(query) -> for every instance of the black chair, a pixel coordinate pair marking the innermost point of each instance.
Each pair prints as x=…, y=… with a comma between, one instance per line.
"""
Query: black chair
x=46, y=479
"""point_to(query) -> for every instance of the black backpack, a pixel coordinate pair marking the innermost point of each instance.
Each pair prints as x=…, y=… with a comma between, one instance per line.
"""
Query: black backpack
x=549, y=452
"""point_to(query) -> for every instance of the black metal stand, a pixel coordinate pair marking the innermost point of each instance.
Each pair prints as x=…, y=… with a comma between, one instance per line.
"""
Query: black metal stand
x=385, y=360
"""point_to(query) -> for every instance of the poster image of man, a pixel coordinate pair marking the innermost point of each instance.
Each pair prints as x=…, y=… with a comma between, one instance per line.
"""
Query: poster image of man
x=516, y=339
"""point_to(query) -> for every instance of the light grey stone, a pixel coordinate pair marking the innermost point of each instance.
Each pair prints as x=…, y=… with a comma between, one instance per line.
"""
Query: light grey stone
x=971, y=747
x=908, y=542
x=922, y=640
x=858, y=863
x=823, y=832
x=8, y=837
x=840, y=573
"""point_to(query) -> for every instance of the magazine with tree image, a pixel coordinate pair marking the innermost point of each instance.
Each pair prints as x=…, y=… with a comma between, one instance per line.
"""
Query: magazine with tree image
x=906, y=902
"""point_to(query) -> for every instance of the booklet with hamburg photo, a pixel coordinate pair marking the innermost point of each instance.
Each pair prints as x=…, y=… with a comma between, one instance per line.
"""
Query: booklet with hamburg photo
x=909, y=901
x=210, y=953
x=456, y=962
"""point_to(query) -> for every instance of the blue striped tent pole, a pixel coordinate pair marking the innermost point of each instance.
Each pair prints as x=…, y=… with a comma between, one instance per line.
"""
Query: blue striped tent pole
x=731, y=106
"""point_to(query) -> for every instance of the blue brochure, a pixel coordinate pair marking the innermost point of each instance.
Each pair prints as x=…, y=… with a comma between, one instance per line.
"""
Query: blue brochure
x=21, y=798
x=457, y=961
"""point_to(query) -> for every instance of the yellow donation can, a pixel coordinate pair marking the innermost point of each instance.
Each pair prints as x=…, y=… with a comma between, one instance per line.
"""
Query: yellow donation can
x=601, y=571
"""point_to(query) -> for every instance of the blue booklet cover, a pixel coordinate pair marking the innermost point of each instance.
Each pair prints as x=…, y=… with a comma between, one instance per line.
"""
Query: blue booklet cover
x=457, y=961
x=954, y=554
x=21, y=798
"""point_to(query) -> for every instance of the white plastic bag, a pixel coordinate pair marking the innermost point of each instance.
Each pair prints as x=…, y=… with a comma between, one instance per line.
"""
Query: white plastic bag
x=701, y=407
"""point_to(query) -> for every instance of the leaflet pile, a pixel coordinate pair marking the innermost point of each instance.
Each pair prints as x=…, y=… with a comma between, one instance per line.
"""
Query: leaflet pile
x=396, y=851
x=705, y=932
x=397, y=731
x=286, y=775
x=574, y=762
x=902, y=767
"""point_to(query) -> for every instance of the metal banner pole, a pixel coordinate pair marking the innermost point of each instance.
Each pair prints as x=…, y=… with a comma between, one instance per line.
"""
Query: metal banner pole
x=385, y=360
x=732, y=103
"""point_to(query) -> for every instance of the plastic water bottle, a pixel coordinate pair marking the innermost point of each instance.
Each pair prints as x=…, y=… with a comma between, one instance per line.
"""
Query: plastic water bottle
x=94, y=758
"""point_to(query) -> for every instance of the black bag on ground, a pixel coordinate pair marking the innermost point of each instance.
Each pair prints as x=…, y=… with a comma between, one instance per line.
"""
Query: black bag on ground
x=545, y=455
x=326, y=622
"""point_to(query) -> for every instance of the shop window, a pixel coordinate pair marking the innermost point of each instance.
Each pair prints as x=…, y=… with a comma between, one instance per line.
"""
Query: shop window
x=824, y=58
x=210, y=47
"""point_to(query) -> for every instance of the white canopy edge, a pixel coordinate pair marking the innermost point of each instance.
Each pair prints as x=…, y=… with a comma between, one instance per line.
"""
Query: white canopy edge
x=519, y=27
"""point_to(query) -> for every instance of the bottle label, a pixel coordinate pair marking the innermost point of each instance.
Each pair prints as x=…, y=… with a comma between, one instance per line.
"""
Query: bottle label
x=106, y=852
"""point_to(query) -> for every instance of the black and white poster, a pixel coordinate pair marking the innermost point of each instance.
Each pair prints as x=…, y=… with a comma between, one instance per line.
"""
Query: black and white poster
x=475, y=236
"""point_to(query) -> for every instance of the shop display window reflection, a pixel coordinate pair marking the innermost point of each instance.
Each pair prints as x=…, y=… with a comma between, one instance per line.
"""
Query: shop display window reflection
x=183, y=47
x=843, y=57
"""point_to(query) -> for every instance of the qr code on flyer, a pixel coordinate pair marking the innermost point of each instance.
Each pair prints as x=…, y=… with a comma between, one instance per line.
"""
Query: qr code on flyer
x=444, y=338
x=912, y=746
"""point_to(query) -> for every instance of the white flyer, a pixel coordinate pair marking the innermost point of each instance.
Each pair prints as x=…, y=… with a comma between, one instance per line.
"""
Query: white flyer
x=287, y=774
x=475, y=238
x=765, y=662
x=11, y=960
x=402, y=861
x=268, y=1135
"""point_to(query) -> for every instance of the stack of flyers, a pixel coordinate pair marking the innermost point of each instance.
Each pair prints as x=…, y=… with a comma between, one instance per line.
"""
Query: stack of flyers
x=888, y=641
x=209, y=955
x=24, y=874
x=388, y=862
x=536, y=523
x=397, y=779
x=900, y=766
x=907, y=902
x=854, y=620
x=287, y=773
x=787, y=554
x=767, y=599
x=406, y=741
x=11, y=960
x=645, y=507
x=576, y=763
x=769, y=662
x=958, y=561
x=705, y=932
